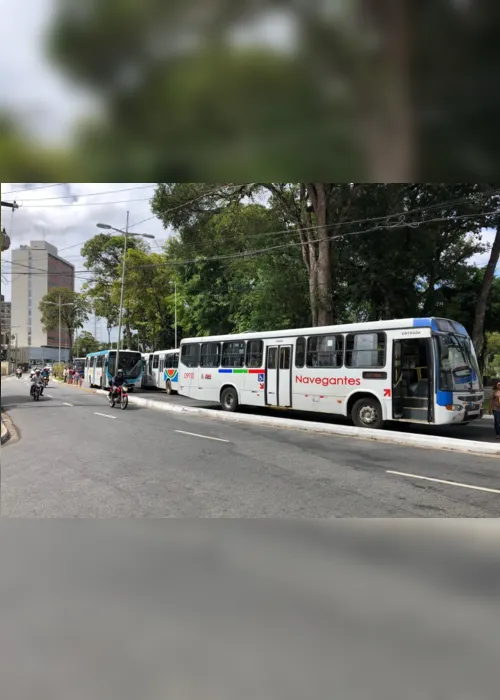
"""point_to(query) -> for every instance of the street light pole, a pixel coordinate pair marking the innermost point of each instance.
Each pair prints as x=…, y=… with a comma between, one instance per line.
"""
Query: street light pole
x=59, y=329
x=175, y=313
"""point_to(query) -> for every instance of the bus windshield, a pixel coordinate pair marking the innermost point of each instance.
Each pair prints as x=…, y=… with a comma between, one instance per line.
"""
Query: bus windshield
x=130, y=363
x=458, y=368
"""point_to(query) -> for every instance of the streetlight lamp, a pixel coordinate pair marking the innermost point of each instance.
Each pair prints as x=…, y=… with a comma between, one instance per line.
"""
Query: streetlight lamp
x=125, y=235
x=58, y=303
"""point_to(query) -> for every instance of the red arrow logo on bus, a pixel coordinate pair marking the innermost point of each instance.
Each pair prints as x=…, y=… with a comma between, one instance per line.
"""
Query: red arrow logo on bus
x=387, y=392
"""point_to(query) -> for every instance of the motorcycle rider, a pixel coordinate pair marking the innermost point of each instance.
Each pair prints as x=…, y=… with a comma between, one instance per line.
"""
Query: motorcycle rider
x=45, y=374
x=19, y=371
x=37, y=379
x=118, y=380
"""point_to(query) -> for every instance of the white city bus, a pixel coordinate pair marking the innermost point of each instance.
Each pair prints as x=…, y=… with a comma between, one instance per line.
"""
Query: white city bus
x=160, y=370
x=421, y=370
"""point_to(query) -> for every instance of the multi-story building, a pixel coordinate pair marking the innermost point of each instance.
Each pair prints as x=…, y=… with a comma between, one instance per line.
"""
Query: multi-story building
x=5, y=320
x=36, y=269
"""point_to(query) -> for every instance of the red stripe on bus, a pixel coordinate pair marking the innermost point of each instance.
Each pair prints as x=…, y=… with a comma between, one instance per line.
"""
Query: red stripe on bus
x=256, y=371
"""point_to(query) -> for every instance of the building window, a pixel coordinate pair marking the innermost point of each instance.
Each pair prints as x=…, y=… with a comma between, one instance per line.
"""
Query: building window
x=233, y=353
x=210, y=355
x=325, y=350
x=365, y=350
x=255, y=353
x=190, y=354
x=300, y=352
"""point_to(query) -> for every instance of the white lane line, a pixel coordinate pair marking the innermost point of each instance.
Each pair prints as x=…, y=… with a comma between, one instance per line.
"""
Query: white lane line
x=444, y=481
x=207, y=437
x=49, y=396
x=67, y=404
x=104, y=415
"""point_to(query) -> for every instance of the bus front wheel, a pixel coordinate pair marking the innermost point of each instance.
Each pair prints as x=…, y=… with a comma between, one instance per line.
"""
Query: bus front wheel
x=367, y=413
x=229, y=399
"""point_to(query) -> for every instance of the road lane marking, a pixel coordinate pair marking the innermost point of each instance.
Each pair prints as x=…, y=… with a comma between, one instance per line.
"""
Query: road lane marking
x=444, y=481
x=104, y=415
x=207, y=437
x=49, y=396
x=67, y=404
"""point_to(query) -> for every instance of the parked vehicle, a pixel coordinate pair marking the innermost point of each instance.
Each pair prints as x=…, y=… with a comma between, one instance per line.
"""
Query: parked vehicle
x=100, y=367
x=418, y=370
x=160, y=370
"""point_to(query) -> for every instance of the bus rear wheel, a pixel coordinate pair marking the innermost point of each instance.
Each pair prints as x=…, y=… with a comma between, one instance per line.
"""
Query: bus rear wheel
x=229, y=399
x=168, y=387
x=367, y=413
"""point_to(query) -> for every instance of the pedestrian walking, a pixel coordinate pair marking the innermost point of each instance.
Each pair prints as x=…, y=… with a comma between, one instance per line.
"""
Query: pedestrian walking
x=70, y=375
x=495, y=408
x=65, y=375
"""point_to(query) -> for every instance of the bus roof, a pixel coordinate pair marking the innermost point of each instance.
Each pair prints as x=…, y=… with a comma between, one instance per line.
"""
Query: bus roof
x=436, y=324
x=103, y=352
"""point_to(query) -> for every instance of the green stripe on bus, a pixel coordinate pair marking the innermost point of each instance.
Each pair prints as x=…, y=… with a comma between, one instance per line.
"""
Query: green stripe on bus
x=240, y=371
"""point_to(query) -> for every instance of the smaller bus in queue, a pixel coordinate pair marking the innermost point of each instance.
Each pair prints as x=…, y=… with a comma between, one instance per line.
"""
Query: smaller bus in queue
x=160, y=370
x=100, y=368
x=414, y=370
x=79, y=365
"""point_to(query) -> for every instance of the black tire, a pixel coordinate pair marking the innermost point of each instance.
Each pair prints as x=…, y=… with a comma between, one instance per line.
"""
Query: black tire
x=36, y=394
x=111, y=400
x=367, y=413
x=229, y=399
x=131, y=388
x=168, y=388
x=123, y=401
x=100, y=383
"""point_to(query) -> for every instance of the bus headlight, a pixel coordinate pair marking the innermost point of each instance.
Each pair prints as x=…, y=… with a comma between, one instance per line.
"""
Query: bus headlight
x=454, y=407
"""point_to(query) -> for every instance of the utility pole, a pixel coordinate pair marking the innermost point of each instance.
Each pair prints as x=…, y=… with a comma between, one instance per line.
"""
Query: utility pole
x=175, y=313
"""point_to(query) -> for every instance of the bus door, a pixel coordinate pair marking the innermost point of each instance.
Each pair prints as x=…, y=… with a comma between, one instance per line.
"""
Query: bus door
x=279, y=376
x=413, y=377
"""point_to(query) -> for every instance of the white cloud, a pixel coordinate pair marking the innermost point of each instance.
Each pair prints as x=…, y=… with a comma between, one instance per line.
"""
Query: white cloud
x=68, y=225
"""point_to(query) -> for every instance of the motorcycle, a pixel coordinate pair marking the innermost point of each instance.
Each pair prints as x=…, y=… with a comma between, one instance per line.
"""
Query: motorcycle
x=46, y=381
x=120, y=397
x=35, y=392
x=19, y=373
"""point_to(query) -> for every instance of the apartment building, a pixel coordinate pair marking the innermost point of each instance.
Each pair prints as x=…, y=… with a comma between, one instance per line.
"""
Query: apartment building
x=37, y=268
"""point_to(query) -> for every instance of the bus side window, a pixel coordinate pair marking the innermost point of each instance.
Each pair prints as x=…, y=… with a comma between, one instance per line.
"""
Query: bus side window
x=300, y=352
x=255, y=353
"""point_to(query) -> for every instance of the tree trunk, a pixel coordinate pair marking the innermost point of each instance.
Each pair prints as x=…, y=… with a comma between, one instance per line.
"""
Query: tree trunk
x=482, y=300
x=317, y=194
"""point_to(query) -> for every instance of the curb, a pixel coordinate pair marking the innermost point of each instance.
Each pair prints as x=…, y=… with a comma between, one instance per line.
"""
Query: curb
x=408, y=439
x=5, y=433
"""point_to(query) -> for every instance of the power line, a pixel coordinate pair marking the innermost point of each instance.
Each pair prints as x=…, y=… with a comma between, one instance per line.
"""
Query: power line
x=84, y=204
x=90, y=194
x=261, y=251
x=30, y=189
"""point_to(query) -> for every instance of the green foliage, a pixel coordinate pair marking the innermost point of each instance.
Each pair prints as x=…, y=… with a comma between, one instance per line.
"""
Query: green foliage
x=58, y=369
x=84, y=344
x=74, y=309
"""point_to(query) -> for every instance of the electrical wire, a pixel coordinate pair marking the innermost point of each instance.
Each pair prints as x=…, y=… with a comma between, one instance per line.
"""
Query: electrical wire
x=90, y=194
x=30, y=189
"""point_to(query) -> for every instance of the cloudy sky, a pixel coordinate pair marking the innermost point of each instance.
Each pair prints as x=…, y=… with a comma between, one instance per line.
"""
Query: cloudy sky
x=66, y=215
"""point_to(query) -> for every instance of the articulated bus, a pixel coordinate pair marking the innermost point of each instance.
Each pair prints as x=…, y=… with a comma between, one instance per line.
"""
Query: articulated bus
x=159, y=369
x=100, y=367
x=421, y=370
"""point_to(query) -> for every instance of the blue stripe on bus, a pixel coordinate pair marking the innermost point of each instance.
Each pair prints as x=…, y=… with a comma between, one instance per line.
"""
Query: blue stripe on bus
x=422, y=323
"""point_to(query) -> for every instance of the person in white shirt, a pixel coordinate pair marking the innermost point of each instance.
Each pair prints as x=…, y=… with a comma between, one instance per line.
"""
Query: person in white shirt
x=37, y=379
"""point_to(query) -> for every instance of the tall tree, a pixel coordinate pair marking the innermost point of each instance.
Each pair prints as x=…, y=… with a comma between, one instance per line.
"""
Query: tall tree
x=482, y=299
x=71, y=307
x=84, y=344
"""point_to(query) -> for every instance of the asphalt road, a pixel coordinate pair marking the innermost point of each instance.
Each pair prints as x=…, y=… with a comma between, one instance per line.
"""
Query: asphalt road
x=481, y=430
x=76, y=457
x=222, y=610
